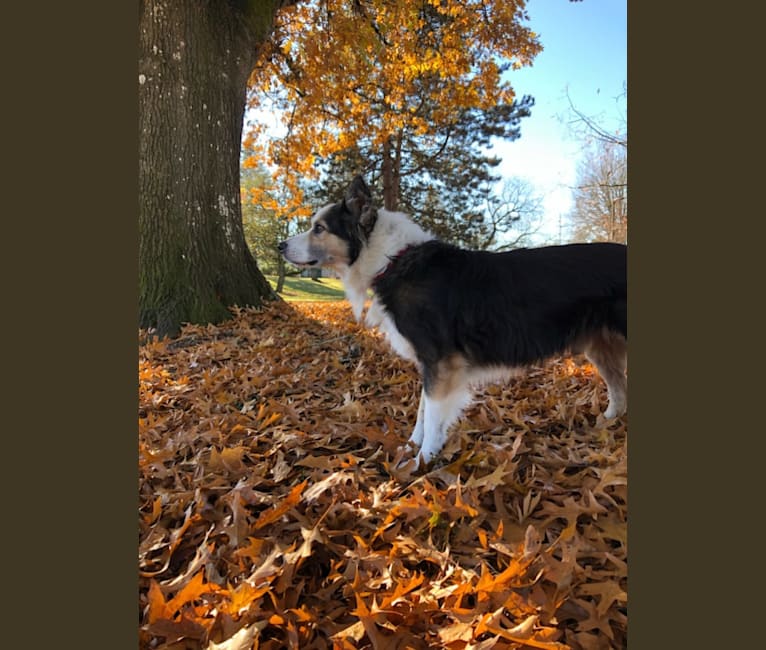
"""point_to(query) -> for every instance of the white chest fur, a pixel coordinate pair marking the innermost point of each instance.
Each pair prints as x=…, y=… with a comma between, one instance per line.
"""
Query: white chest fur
x=377, y=317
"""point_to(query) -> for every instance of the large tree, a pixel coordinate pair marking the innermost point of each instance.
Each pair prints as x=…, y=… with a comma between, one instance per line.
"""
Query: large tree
x=195, y=60
x=328, y=59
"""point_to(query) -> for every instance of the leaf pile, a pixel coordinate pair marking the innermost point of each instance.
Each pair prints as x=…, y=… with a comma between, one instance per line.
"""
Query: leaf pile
x=277, y=509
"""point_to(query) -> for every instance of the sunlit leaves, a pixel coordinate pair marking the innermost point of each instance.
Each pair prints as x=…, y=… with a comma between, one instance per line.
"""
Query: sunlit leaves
x=271, y=517
x=342, y=71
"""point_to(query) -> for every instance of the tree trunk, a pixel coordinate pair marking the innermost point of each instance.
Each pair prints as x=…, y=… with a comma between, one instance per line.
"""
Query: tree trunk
x=387, y=174
x=195, y=60
x=397, y=169
x=281, y=273
x=391, y=168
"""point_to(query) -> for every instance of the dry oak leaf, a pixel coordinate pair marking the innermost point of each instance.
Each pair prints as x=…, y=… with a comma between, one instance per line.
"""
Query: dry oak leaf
x=608, y=593
x=274, y=514
x=241, y=640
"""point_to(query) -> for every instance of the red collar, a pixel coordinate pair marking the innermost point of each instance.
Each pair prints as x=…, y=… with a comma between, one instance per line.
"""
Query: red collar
x=391, y=260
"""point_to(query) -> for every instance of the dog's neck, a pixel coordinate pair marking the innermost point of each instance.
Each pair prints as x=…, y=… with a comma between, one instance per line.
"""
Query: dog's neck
x=393, y=232
x=391, y=261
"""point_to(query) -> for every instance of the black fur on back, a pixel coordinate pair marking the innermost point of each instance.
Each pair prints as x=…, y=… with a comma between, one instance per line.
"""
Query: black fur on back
x=511, y=308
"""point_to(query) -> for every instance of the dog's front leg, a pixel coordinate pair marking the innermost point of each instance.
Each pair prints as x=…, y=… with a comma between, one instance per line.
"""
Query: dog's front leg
x=356, y=298
x=438, y=415
x=417, y=433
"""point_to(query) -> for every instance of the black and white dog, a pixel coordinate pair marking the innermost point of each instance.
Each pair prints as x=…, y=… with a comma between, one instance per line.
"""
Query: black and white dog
x=469, y=317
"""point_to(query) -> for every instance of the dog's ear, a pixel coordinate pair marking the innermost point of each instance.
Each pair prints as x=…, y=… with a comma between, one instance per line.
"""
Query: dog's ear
x=358, y=198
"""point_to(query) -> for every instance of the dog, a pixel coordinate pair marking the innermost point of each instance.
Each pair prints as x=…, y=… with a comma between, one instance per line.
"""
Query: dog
x=468, y=317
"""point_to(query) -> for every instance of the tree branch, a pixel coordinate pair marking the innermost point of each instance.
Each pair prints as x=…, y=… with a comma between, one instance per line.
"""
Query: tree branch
x=599, y=132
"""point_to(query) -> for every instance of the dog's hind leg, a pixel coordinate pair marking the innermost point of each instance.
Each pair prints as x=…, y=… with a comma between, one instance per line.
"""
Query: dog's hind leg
x=608, y=351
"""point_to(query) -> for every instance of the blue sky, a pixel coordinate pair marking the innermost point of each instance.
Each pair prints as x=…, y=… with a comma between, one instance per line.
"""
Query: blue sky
x=585, y=53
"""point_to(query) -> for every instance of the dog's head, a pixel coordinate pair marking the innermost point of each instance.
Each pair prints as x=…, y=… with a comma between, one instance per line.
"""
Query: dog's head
x=338, y=231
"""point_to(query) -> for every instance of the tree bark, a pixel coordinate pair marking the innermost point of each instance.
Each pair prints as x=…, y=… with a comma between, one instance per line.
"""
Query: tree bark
x=281, y=273
x=391, y=170
x=195, y=60
x=387, y=176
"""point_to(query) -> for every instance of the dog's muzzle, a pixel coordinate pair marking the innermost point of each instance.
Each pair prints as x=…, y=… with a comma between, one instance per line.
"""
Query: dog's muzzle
x=282, y=248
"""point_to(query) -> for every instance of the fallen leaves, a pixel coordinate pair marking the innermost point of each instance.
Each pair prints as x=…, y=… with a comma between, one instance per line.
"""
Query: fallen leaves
x=281, y=508
x=275, y=509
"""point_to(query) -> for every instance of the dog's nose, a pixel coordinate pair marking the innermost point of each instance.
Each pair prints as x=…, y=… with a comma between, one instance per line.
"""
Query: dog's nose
x=281, y=246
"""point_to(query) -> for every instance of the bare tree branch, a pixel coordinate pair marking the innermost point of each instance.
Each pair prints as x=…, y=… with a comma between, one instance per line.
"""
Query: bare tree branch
x=594, y=128
x=515, y=213
x=601, y=194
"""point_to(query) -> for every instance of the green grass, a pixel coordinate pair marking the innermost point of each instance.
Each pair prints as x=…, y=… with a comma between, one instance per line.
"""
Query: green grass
x=305, y=289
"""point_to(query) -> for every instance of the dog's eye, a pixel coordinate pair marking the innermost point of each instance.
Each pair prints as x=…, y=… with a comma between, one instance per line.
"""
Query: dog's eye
x=318, y=228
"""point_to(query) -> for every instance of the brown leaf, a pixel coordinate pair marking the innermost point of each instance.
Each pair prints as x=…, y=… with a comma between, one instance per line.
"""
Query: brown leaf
x=290, y=501
x=241, y=640
x=608, y=592
x=191, y=591
x=176, y=630
x=157, y=606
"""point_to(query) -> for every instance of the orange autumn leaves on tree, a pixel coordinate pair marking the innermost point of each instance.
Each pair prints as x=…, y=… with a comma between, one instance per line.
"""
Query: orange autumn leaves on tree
x=345, y=70
x=283, y=197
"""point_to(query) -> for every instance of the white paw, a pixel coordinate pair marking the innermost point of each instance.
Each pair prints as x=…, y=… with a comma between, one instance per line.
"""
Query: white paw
x=427, y=454
x=417, y=437
x=614, y=411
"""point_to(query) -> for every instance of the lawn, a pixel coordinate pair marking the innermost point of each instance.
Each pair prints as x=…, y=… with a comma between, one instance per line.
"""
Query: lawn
x=302, y=289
